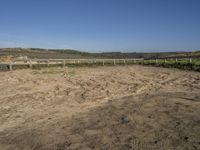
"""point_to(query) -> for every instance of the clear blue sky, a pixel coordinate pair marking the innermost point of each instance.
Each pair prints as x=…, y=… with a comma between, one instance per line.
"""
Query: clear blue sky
x=101, y=25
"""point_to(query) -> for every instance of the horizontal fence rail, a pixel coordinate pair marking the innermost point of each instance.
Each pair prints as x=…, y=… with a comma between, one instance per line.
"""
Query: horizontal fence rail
x=30, y=63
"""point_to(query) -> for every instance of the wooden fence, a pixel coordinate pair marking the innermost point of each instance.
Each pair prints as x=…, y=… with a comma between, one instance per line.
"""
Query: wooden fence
x=48, y=62
x=63, y=62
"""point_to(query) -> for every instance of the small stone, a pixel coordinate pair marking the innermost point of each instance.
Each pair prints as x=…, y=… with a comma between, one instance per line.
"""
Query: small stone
x=124, y=119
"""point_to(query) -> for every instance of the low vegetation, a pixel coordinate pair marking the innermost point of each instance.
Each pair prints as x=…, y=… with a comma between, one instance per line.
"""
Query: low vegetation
x=180, y=64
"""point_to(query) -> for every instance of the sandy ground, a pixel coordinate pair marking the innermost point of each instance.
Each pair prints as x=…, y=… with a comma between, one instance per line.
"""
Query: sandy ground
x=121, y=107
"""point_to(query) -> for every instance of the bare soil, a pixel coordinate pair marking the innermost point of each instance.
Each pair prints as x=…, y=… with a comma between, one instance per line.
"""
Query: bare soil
x=121, y=107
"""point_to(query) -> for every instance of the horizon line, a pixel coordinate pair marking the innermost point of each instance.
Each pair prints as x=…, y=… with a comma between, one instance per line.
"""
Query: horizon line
x=107, y=51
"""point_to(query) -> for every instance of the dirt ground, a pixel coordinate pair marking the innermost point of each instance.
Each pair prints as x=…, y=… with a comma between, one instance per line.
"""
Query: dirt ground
x=103, y=108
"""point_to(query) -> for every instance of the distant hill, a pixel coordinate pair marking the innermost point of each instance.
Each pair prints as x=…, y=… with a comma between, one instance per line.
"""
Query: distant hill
x=43, y=53
x=69, y=53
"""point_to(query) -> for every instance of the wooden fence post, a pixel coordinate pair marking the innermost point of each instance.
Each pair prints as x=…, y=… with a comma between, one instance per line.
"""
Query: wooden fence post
x=114, y=62
x=48, y=63
x=30, y=64
x=190, y=60
x=176, y=59
x=103, y=62
x=63, y=63
x=165, y=60
x=124, y=61
x=156, y=61
x=10, y=66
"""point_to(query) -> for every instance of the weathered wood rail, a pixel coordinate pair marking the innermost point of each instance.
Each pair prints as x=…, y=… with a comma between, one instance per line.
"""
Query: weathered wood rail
x=63, y=62
x=29, y=63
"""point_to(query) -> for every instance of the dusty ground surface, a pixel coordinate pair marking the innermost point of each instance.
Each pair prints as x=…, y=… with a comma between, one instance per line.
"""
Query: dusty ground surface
x=122, y=107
